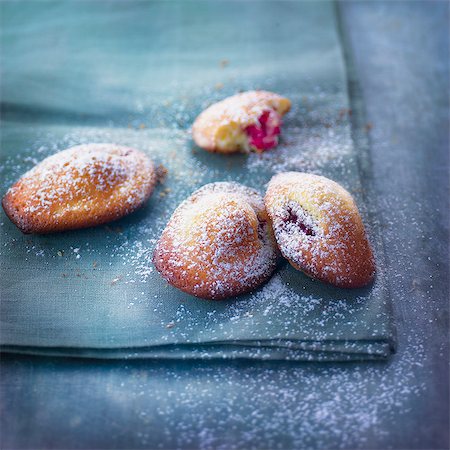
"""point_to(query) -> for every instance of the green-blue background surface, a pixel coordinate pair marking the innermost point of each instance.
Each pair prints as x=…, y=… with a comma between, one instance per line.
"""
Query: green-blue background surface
x=401, y=54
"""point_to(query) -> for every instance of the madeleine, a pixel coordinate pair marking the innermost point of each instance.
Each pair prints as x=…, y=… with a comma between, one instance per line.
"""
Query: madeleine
x=319, y=230
x=250, y=121
x=81, y=187
x=218, y=243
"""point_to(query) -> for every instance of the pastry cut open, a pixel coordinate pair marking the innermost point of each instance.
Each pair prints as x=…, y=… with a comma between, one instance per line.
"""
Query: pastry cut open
x=250, y=121
x=319, y=230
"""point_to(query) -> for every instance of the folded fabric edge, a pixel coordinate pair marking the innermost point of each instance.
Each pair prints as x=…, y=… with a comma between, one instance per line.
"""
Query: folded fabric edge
x=369, y=346
x=381, y=351
x=360, y=138
x=345, y=345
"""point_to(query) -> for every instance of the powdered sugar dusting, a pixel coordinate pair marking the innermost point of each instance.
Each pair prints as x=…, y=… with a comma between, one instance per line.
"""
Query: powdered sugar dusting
x=79, y=187
x=217, y=242
x=307, y=407
x=317, y=141
x=318, y=228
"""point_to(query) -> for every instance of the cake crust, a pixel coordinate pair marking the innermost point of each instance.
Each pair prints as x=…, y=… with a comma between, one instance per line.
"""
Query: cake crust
x=218, y=243
x=80, y=187
x=319, y=230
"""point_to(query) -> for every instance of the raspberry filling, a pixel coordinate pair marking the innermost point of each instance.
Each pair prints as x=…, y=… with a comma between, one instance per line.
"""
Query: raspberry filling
x=264, y=134
x=295, y=219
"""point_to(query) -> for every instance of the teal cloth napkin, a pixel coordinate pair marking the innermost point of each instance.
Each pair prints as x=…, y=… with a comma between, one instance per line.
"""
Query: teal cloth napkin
x=138, y=73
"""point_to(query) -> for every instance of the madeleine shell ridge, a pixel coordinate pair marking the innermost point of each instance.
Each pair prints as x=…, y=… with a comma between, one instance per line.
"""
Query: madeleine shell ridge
x=218, y=243
x=319, y=229
x=80, y=187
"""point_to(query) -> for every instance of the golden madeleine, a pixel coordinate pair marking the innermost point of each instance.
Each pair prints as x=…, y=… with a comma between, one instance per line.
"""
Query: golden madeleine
x=250, y=121
x=218, y=243
x=319, y=230
x=83, y=186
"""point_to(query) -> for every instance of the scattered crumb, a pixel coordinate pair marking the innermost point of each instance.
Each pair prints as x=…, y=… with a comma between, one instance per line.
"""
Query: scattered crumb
x=344, y=112
x=164, y=192
x=116, y=280
x=161, y=173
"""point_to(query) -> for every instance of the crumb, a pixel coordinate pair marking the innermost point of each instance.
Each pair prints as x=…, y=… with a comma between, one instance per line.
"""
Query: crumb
x=344, y=112
x=161, y=173
x=224, y=63
x=165, y=192
x=116, y=280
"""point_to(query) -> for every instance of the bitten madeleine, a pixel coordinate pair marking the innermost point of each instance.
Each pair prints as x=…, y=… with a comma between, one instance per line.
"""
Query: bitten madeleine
x=241, y=123
x=319, y=230
x=218, y=243
x=80, y=187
